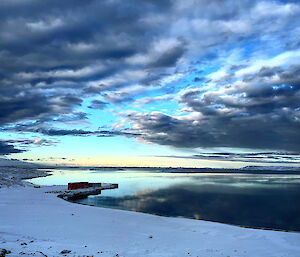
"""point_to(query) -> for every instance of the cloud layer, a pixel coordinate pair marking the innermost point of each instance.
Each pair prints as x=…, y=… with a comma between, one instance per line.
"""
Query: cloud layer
x=6, y=149
x=258, y=111
x=229, y=70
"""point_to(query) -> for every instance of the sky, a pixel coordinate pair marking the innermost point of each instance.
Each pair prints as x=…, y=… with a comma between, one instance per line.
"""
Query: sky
x=193, y=83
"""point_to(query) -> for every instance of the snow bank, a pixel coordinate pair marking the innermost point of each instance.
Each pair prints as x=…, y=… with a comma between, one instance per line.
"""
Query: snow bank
x=12, y=172
x=33, y=222
x=10, y=176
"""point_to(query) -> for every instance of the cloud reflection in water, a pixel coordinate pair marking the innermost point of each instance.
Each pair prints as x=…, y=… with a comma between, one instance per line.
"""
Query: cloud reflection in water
x=274, y=207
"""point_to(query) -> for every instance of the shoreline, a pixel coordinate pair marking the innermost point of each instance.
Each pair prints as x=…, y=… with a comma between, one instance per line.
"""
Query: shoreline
x=11, y=176
x=218, y=222
x=55, y=225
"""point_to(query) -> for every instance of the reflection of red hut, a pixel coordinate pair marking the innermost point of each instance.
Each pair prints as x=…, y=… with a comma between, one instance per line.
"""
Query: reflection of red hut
x=115, y=185
x=77, y=185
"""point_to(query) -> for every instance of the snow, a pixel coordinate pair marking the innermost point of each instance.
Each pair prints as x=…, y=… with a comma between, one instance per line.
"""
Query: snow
x=35, y=223
x=10, y=176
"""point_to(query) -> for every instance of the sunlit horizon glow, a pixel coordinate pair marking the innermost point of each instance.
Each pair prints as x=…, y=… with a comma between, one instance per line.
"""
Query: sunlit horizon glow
x=150, y=83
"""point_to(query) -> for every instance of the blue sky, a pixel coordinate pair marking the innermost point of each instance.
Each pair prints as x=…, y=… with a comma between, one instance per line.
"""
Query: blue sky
x=150, y=83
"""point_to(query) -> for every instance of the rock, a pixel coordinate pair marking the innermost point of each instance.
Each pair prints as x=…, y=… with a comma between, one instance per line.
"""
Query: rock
x=4, y=252
x=65, y=251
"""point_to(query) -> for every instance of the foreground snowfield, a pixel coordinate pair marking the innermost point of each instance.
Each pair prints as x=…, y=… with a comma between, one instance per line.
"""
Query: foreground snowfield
x=35, y=223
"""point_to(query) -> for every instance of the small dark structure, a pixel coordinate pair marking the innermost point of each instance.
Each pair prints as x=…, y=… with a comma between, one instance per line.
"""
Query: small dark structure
x=78, y=185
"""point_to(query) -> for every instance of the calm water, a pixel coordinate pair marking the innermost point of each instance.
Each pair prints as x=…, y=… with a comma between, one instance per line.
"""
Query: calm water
x=269, y=201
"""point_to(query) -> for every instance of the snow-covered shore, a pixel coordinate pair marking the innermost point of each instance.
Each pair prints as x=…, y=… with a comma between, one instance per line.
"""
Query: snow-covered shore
x=12, y=176
x=35, y=223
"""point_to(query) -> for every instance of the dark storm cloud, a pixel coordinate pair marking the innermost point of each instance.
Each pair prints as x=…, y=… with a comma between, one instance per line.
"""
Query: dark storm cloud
x=51, y=49
x=27, y=104
x=6, y=149
x=248, y=116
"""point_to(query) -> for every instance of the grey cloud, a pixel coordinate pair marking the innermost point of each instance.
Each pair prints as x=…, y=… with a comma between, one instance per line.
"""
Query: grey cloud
x=62, y=132
x=97, y=104
x=118, y=97
x=57, y=132
x=27, y=142
x=29, y=105
x=249, y=116
x=75, y=116
x=52, y=45
x=149, y=100
x=168, y=58
x=197, y=79
x=6, y=149
x=95, y=89
x=9, y=146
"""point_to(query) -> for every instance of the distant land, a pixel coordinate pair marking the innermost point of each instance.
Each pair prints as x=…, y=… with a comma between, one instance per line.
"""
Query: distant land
x=16, y=163
x=247, y=169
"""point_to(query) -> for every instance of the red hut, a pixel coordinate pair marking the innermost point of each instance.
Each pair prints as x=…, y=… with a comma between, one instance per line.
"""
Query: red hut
x=77, y=185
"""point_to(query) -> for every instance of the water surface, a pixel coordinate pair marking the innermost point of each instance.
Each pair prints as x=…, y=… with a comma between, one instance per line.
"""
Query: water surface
x=254, y=200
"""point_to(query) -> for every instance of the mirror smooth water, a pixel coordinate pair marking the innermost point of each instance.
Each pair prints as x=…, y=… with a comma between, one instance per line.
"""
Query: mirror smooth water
x=254, y=200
